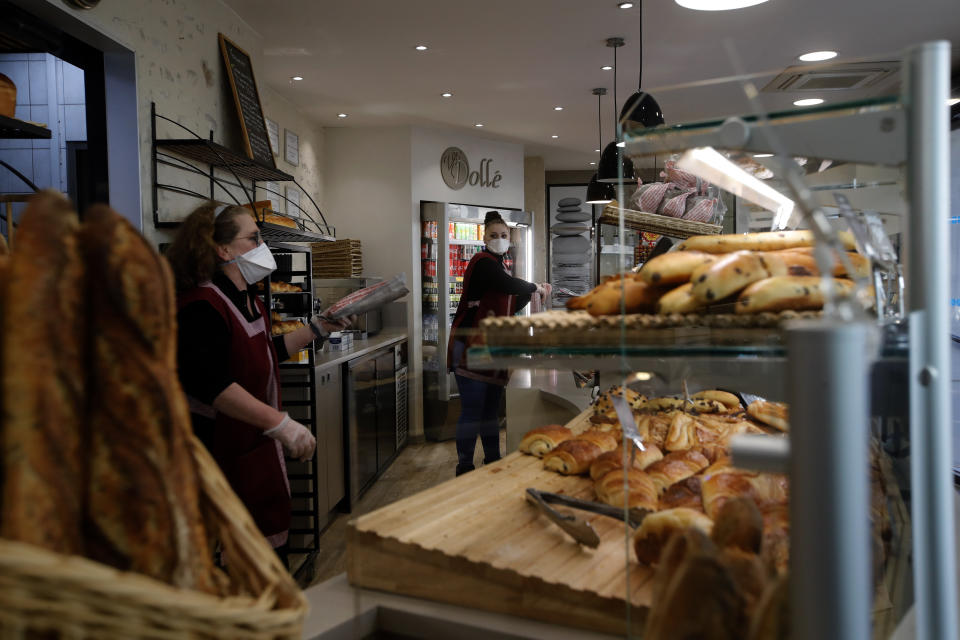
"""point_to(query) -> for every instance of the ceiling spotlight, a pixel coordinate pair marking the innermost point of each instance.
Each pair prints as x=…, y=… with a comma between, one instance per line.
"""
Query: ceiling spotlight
x=808, y=102
x=621, y=144
x=596, y=150
x=554, y=136
x=817, y=56
x=296, y=78
x=607, y=67
x=479, y=124
x=763, y=155
x=718, y=5
x=625, y=5
x=558, y=108
x=421, y=47
x=446, y=95
x=593, y=163
x=341, y=115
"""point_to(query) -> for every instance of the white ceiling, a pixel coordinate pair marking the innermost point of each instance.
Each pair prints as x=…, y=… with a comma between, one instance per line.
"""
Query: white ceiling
x=509, y=62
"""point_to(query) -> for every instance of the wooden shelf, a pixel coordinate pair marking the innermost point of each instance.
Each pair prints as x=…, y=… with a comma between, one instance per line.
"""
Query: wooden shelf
x=13, y=128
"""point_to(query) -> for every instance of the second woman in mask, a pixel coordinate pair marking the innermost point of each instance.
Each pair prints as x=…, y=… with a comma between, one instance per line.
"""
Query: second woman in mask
x=488, y=290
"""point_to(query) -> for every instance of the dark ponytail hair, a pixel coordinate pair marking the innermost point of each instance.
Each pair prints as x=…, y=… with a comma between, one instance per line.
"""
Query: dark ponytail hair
x=493, y=217
x=193, y=253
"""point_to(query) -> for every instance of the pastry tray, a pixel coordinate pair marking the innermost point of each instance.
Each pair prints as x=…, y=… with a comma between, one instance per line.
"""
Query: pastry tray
x=656, y=223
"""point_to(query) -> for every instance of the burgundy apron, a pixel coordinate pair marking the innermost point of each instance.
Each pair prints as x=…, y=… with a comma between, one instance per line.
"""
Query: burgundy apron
x=492, y=303
x=253, y=463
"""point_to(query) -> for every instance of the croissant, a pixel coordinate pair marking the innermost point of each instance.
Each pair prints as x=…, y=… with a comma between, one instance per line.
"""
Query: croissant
x=773, y=414
x=685, y=493
x=657, y=528
x=613, y=460
x=771, y=618
x=540, y=441
x=675, y=467
x=748, y=574
x=574, y=457
x=766, y=489
x=641, y=492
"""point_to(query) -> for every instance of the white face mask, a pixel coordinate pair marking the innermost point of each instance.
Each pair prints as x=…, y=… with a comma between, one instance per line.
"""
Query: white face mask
x=256, y=264
x=498, y=246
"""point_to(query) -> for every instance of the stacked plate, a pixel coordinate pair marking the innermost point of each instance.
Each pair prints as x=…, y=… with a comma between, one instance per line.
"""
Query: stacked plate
x=570, y=249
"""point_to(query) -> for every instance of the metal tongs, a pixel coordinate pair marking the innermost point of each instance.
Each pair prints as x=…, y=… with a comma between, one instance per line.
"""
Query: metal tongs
x=578, y=528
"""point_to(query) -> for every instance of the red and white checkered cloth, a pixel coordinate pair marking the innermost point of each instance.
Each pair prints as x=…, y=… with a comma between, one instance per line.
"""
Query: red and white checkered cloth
x=700, y=209
x=648, y=196
x=677, y=205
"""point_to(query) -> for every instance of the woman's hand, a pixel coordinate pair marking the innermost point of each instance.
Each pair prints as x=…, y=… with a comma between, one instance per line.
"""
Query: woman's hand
x=296, y=439
x=328, y=327
x=544, y=289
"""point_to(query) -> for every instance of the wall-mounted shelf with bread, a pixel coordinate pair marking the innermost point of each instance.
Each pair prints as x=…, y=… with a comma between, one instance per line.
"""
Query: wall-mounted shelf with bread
x=14, y=128
x=200, y=168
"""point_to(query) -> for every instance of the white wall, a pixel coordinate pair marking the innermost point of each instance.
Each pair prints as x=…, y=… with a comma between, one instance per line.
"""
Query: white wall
x=179, y=66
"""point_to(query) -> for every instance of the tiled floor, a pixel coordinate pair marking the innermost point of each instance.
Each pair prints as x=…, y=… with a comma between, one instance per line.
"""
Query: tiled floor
x=418, y=467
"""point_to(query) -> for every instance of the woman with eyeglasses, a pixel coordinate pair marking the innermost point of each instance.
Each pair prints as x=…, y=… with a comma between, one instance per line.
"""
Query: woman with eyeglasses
x=228, y=362
x=488, y=290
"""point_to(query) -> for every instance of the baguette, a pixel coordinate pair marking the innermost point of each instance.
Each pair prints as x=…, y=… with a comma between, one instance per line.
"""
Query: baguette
x=800, y=262
x=623, y=296
x=542, y=440
x=43, y=387
x=641, y=492
x=674, y=267
x=144, y=498
x=679, y=300
x=732, y=273
x=762, y=241
x=787, y=292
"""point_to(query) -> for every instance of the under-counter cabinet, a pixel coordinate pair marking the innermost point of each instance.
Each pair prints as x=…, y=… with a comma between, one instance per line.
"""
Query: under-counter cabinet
x=330, y=443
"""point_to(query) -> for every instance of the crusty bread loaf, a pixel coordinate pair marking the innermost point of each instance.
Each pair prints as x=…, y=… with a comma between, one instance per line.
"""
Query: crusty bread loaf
x=781, y=293
x=623, y=296
x=800, y=262
x=4, y=249
x=280, y=220
x=613, y=460
x=673, y=267
x=143, y=509
x=730, y=401
x=541, y=440
x=657, y=528
x=774, y=414
x=731, y=273
x=641, y=492
x=43, y=388
x=675, y=467
x=679, y=300
x=762, y=241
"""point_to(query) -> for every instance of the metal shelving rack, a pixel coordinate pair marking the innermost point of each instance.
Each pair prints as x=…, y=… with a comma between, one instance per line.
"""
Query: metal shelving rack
x=825, y=365
x=227, y=170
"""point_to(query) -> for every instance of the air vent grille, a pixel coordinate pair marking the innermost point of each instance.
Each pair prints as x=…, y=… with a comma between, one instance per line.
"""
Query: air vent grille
x=840, y=77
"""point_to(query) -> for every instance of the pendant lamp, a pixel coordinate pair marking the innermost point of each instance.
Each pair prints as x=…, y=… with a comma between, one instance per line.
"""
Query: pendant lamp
x=640, y=109
x=599, y=192
x=614, y=165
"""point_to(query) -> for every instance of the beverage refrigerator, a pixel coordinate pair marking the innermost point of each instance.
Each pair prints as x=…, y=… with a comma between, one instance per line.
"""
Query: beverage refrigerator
x=451, y=234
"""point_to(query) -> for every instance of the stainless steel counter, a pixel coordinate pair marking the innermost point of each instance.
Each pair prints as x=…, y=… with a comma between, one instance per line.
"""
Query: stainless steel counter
x=385, y=338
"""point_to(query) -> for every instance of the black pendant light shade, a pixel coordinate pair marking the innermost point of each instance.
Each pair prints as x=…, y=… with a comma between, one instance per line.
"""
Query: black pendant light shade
x=614, y=165
x=599, y=192
x=640, y=110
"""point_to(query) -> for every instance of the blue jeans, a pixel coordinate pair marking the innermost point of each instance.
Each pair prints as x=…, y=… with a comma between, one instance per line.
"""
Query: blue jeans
x=479, y=416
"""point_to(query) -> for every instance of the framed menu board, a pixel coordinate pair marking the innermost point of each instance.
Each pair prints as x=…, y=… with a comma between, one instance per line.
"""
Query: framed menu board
x=247, y=99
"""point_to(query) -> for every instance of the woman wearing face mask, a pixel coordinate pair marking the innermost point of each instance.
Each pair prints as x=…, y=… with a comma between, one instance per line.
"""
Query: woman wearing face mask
x=488, y=290
x=228, y=362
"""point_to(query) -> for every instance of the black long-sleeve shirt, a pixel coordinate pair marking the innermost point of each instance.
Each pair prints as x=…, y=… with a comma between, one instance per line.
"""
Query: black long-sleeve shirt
x=203, y=346
x=489, y=275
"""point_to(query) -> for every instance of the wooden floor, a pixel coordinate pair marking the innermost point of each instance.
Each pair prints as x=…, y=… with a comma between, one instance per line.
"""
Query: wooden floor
x=418, y=467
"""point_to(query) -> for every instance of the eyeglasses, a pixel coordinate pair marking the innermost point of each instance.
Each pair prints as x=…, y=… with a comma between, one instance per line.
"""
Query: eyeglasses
x=255, y=238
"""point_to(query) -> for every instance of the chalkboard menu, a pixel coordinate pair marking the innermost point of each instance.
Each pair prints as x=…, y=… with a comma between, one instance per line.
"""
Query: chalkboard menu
x=247, y=99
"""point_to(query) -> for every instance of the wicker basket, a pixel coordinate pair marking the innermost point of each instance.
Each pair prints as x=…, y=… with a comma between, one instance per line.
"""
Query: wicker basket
x=72, y=597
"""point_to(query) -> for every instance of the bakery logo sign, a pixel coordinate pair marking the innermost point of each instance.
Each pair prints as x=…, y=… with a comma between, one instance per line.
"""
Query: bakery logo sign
x=456, y=173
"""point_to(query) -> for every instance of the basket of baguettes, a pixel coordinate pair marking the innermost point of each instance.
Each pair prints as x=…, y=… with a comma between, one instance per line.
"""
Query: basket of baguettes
x=709, y=288
x=111, y=509
x=718, y=536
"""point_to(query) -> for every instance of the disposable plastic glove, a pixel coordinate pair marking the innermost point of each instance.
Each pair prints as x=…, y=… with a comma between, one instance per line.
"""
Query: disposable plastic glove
x=296, y=439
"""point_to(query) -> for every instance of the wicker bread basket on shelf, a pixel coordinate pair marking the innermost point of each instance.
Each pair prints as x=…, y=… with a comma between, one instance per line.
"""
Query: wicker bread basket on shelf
x=42, y=592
